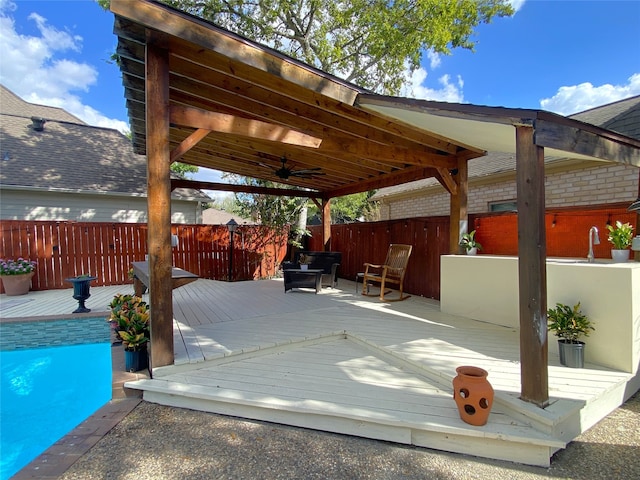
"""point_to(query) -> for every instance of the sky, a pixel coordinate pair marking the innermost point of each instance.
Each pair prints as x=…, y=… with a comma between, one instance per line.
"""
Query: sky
x=564, y=56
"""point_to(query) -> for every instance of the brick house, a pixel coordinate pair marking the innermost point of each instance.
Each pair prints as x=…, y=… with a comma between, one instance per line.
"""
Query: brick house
x=492, y=185
x=53, y=166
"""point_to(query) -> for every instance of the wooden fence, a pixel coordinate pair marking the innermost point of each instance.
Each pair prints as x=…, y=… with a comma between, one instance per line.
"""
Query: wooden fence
x=106, y=250
x=567, y=236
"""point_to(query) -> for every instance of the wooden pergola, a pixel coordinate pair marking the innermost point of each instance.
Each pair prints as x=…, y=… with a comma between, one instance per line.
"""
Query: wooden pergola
x=201, y=95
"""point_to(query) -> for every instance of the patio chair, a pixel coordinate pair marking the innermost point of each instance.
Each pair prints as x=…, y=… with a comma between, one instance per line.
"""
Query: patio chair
x=391, y=271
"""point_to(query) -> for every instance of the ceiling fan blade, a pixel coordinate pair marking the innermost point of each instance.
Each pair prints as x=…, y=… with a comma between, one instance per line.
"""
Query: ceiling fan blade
x=307, y=175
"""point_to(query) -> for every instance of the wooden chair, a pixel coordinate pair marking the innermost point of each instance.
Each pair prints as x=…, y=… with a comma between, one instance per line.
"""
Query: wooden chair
x=391, y=271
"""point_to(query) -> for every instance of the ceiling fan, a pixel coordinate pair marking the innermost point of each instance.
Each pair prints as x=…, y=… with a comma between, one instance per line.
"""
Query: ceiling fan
x=284, y=172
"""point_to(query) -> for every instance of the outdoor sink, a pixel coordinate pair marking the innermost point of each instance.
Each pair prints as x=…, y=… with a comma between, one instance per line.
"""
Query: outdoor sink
x=573, y=260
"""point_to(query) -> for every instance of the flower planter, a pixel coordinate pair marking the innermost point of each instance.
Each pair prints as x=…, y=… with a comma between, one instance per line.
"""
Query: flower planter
x=473, y=395
x=17, y=284
x=571, y=354
x=620, y=256
x=81, y=286
x=136, y=360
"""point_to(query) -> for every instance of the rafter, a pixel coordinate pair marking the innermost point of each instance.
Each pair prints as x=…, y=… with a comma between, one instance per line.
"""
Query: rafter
x=220, y=122
x=188, y=143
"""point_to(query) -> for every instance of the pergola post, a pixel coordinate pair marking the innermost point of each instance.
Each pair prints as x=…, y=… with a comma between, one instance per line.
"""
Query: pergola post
x=532, y=272
x=326, y=224
x=159, y=205
x=458, y=209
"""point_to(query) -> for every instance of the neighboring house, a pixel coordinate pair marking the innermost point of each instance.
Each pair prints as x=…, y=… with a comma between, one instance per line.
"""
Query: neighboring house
x=492, y=187
x=54, y=166
x=213, y=216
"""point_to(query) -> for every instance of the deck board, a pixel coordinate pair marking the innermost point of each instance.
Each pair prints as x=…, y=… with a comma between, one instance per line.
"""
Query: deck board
x=346, y=363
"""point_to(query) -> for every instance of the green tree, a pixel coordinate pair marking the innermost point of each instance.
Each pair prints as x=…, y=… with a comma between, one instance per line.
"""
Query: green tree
x=351, y=208
x=277, y=212
x=367, y=42
x=183, y=170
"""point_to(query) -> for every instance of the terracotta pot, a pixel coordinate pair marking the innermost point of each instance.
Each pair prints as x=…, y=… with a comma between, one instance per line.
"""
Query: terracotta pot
x=17, y=284
x=473, y=395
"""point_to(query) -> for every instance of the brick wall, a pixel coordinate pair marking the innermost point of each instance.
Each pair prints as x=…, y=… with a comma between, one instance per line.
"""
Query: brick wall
x=611, y=183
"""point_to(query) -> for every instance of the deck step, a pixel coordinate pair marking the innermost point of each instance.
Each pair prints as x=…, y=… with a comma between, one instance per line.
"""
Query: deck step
x=340, y=385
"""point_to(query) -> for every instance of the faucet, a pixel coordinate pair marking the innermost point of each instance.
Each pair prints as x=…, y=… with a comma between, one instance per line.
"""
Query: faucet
x=594, y=239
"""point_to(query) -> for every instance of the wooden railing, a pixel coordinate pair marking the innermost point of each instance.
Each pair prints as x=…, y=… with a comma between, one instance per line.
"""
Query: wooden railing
x=106, y=250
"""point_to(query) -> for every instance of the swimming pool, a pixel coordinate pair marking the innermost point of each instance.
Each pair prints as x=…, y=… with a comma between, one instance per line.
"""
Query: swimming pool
x=45, y=390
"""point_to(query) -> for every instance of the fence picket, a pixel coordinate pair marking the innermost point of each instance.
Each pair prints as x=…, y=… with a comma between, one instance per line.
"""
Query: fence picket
x=106, y=250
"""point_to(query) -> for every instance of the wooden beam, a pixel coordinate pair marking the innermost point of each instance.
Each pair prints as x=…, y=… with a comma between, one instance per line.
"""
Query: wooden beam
x=408, y=174
x=159, y=206
x=326, y=224
x=223, y=123
x=227, y=187
x=336, y=143
x=425, y=157
x=532, y=272
x=188, y=143
x=555, y=134
x=458, y=216
x=443, y=175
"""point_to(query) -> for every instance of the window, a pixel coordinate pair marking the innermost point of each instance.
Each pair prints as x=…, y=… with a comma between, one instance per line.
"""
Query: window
x=508, y=206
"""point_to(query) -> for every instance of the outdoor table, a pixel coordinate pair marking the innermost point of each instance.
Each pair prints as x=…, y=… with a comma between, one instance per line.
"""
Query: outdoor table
x=298, y=278
x=179, y=277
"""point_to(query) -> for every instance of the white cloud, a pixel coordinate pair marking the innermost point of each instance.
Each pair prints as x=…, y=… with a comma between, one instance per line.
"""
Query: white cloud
x=434, y=59
x=517, y=4
x=448, y=92
x=577, y=98
x=33, y=67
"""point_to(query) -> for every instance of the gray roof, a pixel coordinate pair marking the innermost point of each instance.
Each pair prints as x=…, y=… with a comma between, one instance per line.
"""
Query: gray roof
x=11, y=104
x=622, y=116
x=214, y=216
x=68, y=154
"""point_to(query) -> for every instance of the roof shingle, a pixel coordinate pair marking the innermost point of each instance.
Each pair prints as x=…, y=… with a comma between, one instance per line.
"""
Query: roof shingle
x=68, y=155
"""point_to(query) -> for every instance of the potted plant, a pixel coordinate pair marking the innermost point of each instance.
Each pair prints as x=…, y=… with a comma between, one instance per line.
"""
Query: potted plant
x=569, y=324
x=469, y=243
x=81, y=287
x=620, y=236
x=130, y=320
x=16, y=275
x=304, y=261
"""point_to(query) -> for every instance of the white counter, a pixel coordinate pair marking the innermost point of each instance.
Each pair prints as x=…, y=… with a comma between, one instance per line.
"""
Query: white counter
x=485, y=287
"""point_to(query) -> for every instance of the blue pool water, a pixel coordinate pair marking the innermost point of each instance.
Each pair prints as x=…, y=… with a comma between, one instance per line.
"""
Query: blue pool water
x=46, y=392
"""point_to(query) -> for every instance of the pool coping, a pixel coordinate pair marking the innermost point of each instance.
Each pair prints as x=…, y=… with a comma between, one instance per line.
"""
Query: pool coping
x=58, y=458
x=54, y=317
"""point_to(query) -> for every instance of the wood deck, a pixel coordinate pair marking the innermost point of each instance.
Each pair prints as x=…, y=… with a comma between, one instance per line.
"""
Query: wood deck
x=341, y=362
